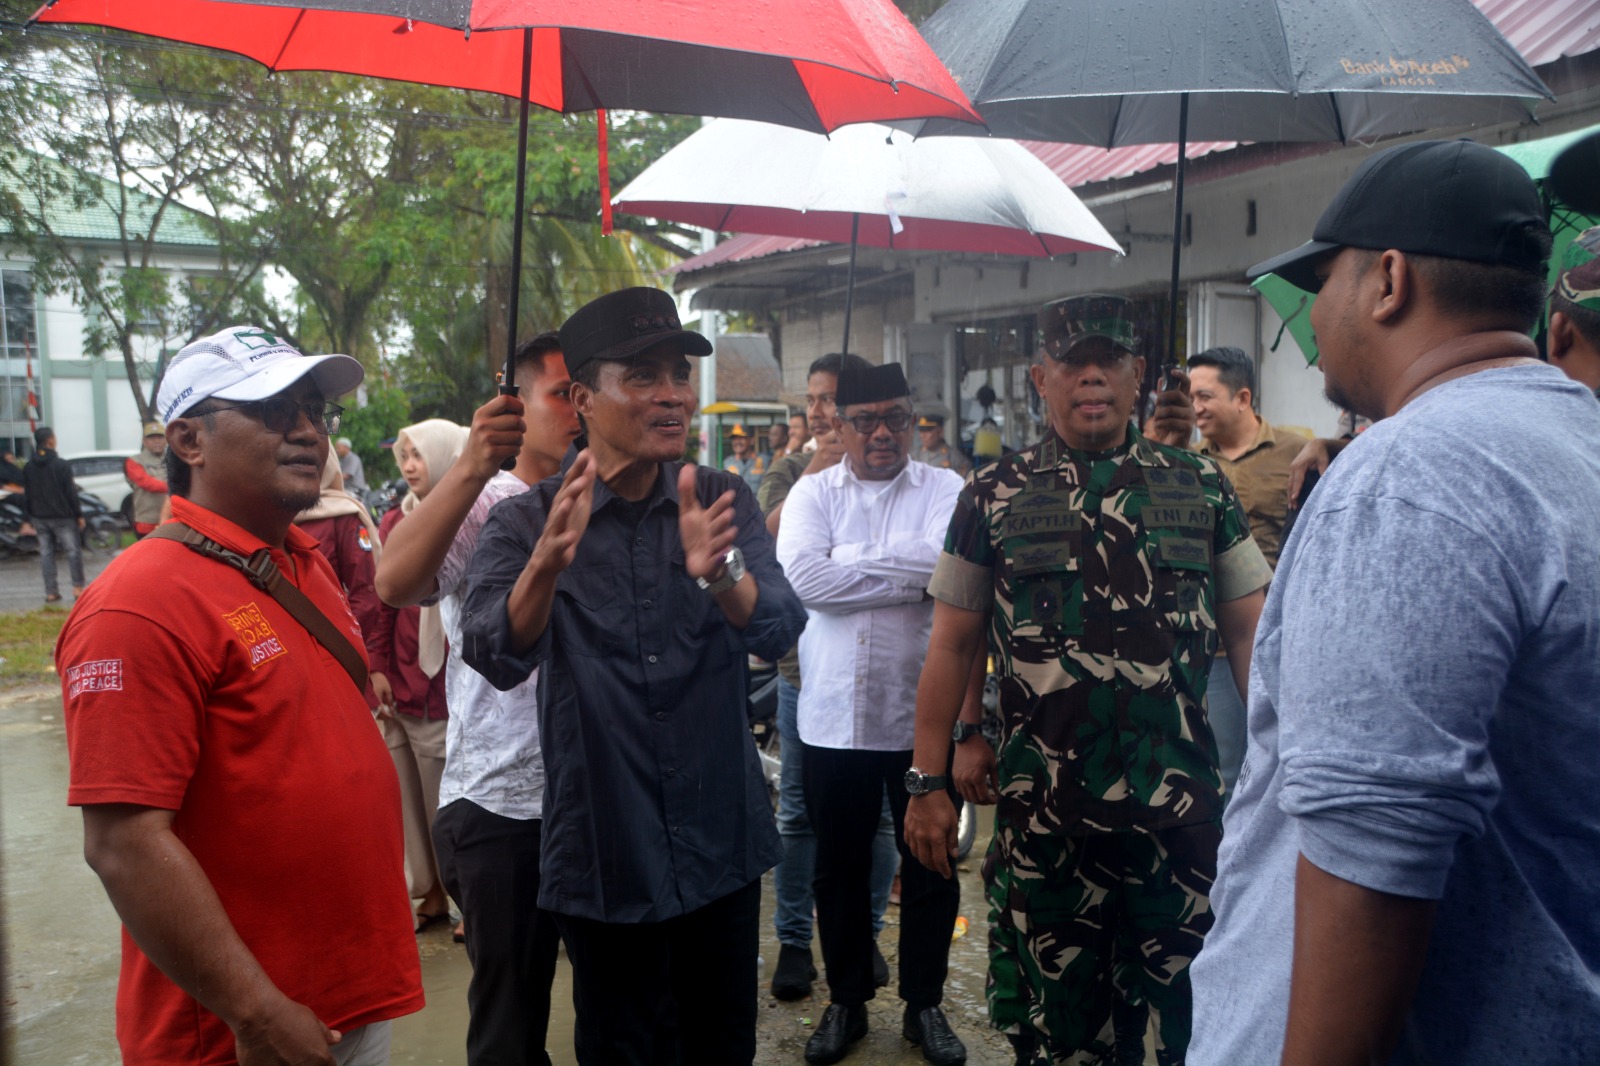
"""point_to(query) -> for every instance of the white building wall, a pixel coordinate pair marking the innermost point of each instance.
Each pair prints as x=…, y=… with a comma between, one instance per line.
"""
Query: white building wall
x=92, y=408
x=806, y=338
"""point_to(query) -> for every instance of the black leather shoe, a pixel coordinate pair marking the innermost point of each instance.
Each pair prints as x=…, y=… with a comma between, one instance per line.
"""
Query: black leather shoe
x=929, y=1028
x=880, y=968
x=792, y=977
x=841, y=1026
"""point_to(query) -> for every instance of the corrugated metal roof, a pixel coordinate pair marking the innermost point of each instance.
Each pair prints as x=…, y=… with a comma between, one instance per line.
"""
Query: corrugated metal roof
x=739, y=249
x=1545, y=30
x=1083, y=164
x=96, y=218
x=1541, y=30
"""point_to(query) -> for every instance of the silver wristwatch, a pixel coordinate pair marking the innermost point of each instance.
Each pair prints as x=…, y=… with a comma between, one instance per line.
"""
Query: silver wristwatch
x=734, y=561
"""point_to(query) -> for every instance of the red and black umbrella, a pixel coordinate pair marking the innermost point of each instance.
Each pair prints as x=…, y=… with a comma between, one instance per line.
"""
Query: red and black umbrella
x=813, y=64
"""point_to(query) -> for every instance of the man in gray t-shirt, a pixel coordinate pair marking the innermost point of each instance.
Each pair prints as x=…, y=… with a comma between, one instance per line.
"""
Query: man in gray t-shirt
x=1406, y=873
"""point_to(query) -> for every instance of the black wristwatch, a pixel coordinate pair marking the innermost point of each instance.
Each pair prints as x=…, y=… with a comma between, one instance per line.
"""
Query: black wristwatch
x=918, y=783
x=963, y=730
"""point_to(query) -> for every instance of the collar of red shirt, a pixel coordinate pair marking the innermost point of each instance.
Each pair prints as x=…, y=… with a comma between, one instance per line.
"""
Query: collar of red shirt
x=236, y=538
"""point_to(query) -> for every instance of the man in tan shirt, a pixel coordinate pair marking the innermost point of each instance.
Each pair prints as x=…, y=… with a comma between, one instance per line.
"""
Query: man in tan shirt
x=1256, y=458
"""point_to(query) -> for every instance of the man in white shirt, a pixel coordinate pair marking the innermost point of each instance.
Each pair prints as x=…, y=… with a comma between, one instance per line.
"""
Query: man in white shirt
x=859, y=542
x=491, y=797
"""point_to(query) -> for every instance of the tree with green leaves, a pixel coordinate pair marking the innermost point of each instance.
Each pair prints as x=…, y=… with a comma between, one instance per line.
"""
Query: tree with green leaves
x=110, y=159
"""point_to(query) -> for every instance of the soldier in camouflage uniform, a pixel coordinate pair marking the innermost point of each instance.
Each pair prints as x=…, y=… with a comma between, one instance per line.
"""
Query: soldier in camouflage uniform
x=1104, y=566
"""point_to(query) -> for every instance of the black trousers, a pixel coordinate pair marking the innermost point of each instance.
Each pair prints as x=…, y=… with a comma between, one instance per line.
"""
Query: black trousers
x=844, y=796
x=490, y=866
x=637, y=987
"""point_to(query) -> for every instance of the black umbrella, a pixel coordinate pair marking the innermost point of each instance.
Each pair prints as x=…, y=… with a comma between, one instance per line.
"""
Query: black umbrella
x=1117, y=72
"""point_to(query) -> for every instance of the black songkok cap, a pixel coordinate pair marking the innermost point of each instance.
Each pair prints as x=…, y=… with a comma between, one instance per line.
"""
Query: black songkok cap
x=871, y=385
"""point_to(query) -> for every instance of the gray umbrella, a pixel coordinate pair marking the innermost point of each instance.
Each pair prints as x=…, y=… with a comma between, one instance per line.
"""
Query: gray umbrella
x=1115, y=72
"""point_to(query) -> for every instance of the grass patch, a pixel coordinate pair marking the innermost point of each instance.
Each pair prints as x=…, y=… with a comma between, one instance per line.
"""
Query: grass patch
x=26, y=641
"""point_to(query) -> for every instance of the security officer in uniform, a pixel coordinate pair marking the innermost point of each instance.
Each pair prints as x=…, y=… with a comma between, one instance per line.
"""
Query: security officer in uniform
x=1104, y=566
x=147, y=477
x=934, y=450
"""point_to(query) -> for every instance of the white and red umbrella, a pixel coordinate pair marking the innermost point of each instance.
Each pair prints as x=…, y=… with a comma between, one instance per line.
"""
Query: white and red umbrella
x=867, y=184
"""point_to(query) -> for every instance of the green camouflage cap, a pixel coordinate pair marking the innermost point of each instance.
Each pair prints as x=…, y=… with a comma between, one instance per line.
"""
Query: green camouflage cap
x=1580, y=270
x=1065, y=323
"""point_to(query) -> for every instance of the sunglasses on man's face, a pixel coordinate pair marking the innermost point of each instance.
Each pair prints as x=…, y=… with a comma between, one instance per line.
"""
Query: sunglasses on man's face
x=866, y=422
x=281, y=414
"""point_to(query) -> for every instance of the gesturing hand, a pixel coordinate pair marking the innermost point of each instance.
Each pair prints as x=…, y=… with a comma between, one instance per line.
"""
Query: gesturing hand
x=830, y=451
x=1173, y=420
x=568, y=518
x=496, y=435
x=707, y=532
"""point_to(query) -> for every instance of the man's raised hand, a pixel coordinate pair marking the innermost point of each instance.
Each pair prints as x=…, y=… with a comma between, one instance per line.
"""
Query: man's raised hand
x=495, y=436
x=568, y=518
x=829, y=452
x=1173, y=420
x=707, y=532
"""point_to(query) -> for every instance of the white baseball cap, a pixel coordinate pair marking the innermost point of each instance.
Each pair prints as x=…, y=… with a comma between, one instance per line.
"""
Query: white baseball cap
x=246, y=363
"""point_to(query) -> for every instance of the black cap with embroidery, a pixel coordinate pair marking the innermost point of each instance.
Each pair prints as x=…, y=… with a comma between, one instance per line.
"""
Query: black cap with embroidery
x=620, y=325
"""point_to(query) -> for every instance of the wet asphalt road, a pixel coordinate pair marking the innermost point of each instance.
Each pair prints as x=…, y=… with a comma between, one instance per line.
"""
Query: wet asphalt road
x=22, y=585
x=63, y=941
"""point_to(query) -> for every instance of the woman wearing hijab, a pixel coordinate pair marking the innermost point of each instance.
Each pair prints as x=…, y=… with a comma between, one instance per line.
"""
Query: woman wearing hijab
x=410, y=663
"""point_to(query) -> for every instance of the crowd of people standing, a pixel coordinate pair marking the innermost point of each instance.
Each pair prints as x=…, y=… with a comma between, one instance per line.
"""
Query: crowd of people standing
x=1338, y=769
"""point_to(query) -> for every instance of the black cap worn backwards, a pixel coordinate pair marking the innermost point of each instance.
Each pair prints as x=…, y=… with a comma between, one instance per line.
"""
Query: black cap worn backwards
x=620, y=325
x=870, y=384
x=1452, y=199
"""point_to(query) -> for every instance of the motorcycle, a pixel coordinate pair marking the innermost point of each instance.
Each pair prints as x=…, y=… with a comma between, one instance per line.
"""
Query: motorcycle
x=386, y=497
x=101, y=531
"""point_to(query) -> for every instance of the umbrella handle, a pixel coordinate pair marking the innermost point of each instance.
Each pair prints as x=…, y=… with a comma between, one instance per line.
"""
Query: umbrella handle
x=508, y=381
x=1169, y=358
x=850, y=282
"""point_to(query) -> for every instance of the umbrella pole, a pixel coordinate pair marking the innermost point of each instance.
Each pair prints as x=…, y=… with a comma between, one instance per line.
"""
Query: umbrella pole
x=508, y=383
x=850, y=281
x=1171, y=357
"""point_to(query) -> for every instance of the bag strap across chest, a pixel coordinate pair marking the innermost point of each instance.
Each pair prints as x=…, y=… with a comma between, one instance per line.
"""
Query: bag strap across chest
x=263, y=573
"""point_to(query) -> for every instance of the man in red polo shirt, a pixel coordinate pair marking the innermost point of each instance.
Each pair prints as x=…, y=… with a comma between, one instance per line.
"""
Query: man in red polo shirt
x=238, y=805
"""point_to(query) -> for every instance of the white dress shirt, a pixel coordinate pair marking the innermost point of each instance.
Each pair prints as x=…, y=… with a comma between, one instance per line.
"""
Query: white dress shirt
x=859, y=555
x=491, y=748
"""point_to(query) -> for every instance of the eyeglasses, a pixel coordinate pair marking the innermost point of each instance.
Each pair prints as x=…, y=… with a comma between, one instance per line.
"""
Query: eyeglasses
x=281, y=414
x=898, y=419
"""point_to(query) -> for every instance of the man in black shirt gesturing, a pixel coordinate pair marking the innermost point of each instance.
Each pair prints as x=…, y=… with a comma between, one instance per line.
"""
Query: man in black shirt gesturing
x=636, y=584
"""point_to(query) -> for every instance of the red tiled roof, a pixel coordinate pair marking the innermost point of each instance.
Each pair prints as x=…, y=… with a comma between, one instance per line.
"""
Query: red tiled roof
x=1541, y=30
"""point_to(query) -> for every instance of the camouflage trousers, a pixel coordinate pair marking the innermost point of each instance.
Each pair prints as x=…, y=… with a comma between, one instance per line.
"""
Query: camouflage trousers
x=1090, y=938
